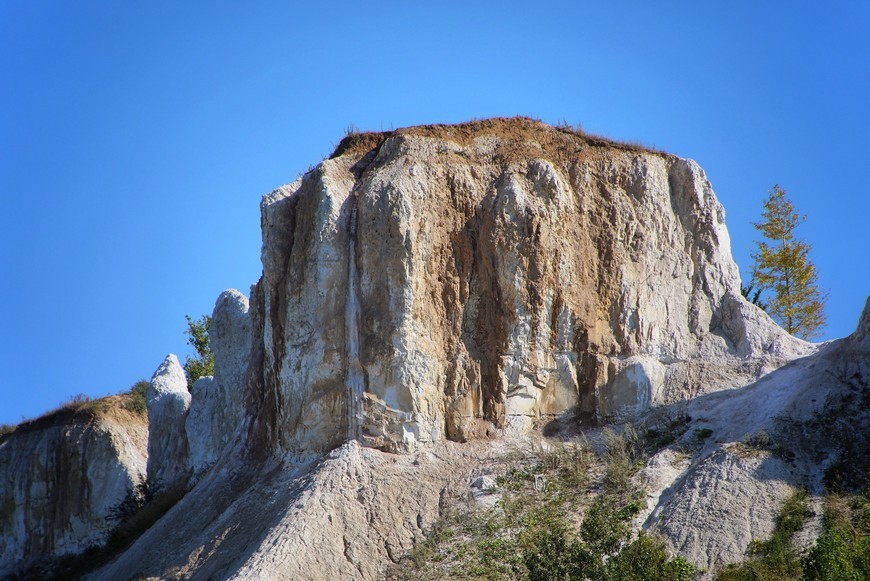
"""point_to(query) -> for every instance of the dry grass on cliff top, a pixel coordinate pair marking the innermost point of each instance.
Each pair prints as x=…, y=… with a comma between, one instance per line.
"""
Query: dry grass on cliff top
x=81, y=408
x=556, y=141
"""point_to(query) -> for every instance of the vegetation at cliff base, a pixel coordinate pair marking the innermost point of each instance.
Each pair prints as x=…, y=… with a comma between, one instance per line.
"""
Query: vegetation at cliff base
x=563, y=512
x=841, y=553
x=782, y=268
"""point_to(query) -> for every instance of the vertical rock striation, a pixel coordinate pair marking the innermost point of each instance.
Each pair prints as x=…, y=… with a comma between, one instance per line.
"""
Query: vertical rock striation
x=60, y=477
x=448, y=281
x=216, y=408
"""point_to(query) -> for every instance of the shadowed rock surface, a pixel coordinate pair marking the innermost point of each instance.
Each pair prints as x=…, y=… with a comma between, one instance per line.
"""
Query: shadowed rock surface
x=60, y=477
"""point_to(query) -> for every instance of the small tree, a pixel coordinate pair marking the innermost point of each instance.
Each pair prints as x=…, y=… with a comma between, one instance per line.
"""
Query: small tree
x=203, y=363
x=783, y=267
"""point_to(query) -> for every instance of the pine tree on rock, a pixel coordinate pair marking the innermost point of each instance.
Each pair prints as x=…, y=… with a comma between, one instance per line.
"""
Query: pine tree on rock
x=782, y=266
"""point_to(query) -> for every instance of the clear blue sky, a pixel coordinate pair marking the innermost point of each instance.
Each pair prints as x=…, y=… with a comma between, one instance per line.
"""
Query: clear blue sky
x=136, y=139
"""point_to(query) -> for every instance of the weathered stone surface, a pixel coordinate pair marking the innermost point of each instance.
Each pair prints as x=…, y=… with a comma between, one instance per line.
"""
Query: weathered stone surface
x=768, y=439
x=454, y=282
x=230, y=341
x=203, y=424
x=447, y=282
x=216, y=408
x=60, y=477
x=167, y=400
x=345, y=516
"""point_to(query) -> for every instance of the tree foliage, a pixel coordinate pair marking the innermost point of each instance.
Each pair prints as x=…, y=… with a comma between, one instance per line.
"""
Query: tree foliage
x=752, y=293
x=203, y=363
x=783, y=268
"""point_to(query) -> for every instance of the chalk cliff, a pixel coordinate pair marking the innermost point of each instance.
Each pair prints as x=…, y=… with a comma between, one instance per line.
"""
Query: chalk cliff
x=452, y=281
x=427, y=295
x=61, y=476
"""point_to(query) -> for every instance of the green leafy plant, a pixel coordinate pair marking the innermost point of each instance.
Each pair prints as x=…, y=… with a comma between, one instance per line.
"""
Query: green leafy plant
x=135, y=400
x=624, y=455
x=776, y=557
x=843, y=548
x=203, y=363
x=558, y=531
x=702, y=434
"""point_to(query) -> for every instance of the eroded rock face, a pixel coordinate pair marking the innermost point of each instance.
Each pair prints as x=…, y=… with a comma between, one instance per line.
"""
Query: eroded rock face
x=167, y=400
x=442, y=283
x=796, y=428
x=216, y=408
x=447, y=282
x=60, y=478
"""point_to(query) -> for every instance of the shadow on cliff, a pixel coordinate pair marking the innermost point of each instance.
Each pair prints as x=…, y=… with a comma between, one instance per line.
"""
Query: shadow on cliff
x=217, y=525
x=797, y=422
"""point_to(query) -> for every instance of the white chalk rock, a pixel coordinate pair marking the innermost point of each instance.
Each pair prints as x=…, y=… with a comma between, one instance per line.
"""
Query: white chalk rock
x=427, y=286
x=167, y=400
x=62, y=475
x=216, y=408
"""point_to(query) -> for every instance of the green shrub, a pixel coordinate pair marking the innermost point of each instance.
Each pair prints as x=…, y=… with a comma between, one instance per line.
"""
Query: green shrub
x=535, y=532
x=203, y=363
x=843, y=548
x=646, y=559
x=775, y=558
x=702, y=434
x=623, y=456
x=551, y=554
x=135, y=400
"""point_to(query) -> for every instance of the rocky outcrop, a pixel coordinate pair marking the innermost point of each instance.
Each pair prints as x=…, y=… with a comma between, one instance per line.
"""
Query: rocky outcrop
x=346, y=515
x=216, y=408
x=167, y=400
x=803, y=426
x=61, y=476
x=448, y=282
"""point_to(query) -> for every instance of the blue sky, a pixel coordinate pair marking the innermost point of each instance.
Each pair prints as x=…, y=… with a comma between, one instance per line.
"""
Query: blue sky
x=136, y=139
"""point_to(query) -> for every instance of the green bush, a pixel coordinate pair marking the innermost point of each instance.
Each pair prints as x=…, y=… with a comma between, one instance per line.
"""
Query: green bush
x=135, y=400
x=551, y=554
x=775, y=558
x=702, y=434
x=623, y=457
x=202, y=364
x=535, y=532
x=646, y=559
x=843, y=548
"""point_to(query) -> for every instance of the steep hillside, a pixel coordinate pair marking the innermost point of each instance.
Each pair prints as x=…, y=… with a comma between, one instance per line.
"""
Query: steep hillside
x=805, y=426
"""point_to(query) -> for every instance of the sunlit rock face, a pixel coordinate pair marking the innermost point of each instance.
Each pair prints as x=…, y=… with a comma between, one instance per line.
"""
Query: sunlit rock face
x=168, y=400
x=450, y=281
x=61, y=476
x=216, y=409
